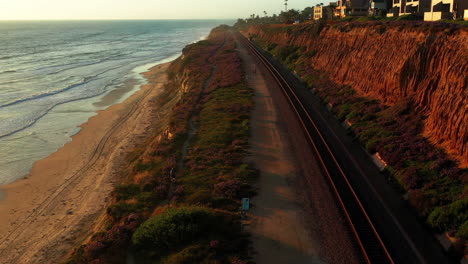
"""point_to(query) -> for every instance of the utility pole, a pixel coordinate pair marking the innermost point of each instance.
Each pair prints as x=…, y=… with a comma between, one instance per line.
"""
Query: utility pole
x=286, y=5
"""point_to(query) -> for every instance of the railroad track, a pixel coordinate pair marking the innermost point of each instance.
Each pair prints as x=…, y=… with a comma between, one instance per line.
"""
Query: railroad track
x=367, y=238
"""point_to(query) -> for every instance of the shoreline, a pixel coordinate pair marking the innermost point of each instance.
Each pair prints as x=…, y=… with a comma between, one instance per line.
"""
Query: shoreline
x=82, y=111
x=66, y=192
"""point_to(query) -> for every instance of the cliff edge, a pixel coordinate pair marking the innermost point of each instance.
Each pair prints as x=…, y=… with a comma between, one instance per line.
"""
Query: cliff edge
x=426, y=64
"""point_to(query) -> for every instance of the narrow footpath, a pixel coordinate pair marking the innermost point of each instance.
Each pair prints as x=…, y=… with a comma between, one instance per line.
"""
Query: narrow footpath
x=294, y=218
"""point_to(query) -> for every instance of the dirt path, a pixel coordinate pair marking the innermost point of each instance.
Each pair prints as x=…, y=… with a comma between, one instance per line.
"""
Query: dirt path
x=55, y=208
x=295, y=218
x=278, y=226
x=192, y=130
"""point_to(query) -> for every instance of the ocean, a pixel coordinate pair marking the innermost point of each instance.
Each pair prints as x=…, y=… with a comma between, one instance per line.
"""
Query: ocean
x=54, y=76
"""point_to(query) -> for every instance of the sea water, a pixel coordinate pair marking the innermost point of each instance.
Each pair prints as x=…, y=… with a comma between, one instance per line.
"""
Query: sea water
x=55, y=75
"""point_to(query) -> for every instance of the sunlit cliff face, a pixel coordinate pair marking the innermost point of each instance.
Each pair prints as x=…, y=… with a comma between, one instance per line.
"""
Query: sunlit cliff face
x=394, y=62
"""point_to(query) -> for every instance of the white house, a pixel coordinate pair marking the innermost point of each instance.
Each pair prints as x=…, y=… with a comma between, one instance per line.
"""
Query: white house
x=405, y=7
x=447, y=9
x=318, y=12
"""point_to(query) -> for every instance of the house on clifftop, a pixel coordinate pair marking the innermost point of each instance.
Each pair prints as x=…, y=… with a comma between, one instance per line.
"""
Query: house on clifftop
x=324, y=12
x=346, y=8
x=406, y=7
x=379, y=7
x=340, y=9
x=447, y=9
x=318, y=12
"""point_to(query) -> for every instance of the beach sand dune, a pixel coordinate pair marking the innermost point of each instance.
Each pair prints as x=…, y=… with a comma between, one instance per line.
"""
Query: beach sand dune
x=57, y=205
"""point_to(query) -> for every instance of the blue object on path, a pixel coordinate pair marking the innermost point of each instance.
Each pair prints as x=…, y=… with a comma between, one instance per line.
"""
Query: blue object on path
x=245, y=204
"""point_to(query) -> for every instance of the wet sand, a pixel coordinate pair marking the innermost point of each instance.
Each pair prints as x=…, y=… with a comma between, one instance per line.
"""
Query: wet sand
x=55, y=207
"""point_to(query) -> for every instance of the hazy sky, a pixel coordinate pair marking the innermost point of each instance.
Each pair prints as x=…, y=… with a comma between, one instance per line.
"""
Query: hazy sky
x=141, y=9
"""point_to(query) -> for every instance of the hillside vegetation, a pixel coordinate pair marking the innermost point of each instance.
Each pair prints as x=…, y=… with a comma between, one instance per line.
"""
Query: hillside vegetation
x=179, y=200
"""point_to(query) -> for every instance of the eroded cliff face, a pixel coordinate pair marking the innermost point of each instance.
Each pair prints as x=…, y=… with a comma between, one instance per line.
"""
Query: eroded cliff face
x=392, y=62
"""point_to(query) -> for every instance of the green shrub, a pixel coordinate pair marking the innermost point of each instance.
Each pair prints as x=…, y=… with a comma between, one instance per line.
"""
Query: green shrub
x=121, y=209
x=458, y=21
x=189, y=255
x=310, y=79
x=371, y=145
x=271, y=46
x=175, y=229
x=292, y=58
x=141, y=167
x=198, y=194
x=353, y=115
x=310, y=54
x=463, y=231
x=246, y=172
x=126, y=191
x=283, y=52
x=450, y=217
x=366, y=18
x=347, y=19
x=373, y=131
x=408, y=17
x=147, y=199
x=342, y=111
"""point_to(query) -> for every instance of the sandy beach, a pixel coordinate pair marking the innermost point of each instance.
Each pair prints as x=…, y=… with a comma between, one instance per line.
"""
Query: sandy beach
x=55, y=207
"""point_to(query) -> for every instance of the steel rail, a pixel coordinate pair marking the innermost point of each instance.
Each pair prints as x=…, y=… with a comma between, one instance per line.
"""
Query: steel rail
x=357, y=229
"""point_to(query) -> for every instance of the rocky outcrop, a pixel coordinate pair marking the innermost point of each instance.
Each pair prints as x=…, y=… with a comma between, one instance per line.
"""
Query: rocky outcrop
x=426, y=63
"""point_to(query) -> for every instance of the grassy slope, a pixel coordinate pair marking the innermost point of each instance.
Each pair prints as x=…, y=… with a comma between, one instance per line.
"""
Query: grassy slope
x=178, y=221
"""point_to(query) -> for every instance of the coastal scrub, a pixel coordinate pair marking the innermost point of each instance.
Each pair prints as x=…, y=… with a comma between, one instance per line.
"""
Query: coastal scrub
x=179, y=200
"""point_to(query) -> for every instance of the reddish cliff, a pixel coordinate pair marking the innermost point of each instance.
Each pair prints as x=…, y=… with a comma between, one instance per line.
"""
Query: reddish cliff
x=395, y=61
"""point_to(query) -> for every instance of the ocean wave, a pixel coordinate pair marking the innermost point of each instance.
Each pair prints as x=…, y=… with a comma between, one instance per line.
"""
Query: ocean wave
x=33, y=121
x=19, y=55
x=9, y=71
x=75, y=65
x=94, y=86
x=18, y=80
x=44, y=70
x=103, y=73
x=45, y=94
x=87, y=36
x=101, y=80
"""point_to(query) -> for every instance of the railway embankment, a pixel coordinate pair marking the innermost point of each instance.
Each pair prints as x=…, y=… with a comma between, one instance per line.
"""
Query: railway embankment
x=401, y=87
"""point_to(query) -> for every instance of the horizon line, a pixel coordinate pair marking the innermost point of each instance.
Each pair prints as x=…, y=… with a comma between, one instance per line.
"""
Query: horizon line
x=116, y=19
